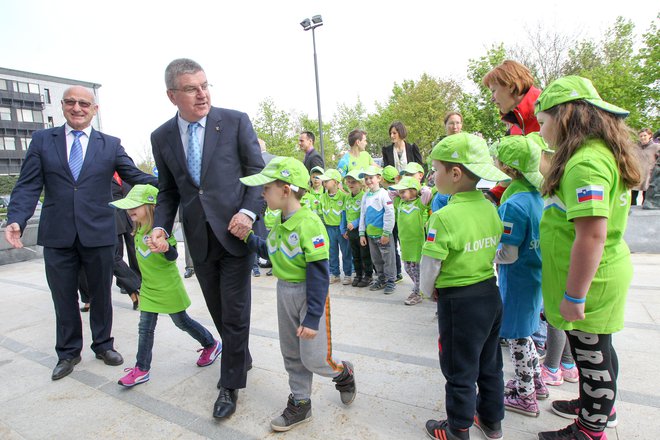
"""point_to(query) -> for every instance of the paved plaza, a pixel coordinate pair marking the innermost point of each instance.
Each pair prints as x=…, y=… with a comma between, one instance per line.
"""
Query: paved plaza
x=393, y=347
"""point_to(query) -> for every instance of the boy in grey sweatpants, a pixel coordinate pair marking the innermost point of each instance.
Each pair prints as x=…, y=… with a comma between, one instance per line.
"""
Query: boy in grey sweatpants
x=297, y=247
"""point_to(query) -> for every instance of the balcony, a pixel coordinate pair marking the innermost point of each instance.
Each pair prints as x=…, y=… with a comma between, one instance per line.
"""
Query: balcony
x=18, y=99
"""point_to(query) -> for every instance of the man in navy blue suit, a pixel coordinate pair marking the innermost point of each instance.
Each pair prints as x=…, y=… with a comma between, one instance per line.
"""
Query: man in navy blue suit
x=200, y=154
x=74, y=165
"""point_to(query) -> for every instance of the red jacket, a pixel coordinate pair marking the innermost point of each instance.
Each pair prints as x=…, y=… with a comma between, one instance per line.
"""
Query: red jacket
x=522, y=117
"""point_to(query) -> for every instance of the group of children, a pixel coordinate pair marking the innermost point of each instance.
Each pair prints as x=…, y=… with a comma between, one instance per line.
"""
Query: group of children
x=565, y=254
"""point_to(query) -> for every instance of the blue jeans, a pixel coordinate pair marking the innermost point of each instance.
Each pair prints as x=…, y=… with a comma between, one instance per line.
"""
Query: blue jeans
x=338, y=242
x=146, y=329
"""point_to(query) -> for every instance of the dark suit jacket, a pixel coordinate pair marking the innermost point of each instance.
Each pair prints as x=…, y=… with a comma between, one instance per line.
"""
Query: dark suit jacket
x=122, y=220
x=72, y=208
x=412, y=155
x=314, y=160
x=230, y=151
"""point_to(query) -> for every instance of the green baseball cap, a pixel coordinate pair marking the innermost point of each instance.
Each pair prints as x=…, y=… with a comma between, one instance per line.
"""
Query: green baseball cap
x=355, y=174
x=574, y=88
x=537, y=139
x=372, y=170
x=407, y=182
x=412, y=168
x=316, y=169
x=389, y=173
x=472, y=152
x=331, y=174
x=523, y=154
x=286, y=169
x=138, y=195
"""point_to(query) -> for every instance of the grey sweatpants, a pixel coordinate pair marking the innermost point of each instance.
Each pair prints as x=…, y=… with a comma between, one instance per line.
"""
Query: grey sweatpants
x=383, y=258
x=303, y=357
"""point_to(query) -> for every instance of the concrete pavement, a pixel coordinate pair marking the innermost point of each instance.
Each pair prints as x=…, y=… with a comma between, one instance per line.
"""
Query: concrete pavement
x=393, y=347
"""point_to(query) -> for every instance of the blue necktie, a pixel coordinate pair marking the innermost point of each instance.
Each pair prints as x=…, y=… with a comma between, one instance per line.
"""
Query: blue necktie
x=76, y=155
x=194, y=152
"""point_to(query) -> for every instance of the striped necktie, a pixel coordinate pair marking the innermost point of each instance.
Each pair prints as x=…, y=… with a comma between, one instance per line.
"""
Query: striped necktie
x=76, y=155
x=194, y=157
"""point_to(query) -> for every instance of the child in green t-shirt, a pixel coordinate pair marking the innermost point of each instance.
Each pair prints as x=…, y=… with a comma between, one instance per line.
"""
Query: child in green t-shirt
x=297, y=246
x=391, y=177
x=586, y=269
x=457, y=262
x=411, y=217
x=349, y=229
x=332, y=205
x=162, y=289
x=312, y=197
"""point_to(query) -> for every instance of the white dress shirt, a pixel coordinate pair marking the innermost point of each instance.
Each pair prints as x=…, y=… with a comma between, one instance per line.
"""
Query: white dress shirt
x=84, y=140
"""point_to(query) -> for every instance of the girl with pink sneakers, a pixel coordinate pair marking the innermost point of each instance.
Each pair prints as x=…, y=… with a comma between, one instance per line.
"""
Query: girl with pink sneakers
x=162, y=288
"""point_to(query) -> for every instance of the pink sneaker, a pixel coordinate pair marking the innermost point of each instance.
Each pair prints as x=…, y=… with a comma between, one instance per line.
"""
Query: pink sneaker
x=134, y=377
x=570, y=374
x=525, y=405
x=542, y=391
x=550, y=378
x=209, y=355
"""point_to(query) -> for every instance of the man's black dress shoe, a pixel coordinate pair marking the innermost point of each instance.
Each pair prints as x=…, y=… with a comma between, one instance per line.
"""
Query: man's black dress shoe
x=110, y=357
x=64, y=367
x=225, y=405
x=189, y=272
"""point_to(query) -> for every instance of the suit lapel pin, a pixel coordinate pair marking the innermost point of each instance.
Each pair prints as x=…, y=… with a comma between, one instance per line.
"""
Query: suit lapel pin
x=217, y=128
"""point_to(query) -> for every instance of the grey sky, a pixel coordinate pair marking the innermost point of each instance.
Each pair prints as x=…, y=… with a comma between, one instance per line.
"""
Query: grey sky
x=255, y=49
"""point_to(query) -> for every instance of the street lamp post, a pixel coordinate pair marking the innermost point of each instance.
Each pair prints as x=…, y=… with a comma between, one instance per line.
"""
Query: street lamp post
x=315, y=22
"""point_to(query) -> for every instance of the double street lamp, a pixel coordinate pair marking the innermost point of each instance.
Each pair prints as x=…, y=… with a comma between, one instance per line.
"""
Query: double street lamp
x=312, y=24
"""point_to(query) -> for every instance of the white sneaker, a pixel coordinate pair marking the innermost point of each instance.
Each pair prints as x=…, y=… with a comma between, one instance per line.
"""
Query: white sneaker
x=347, y=281
x=334, y=279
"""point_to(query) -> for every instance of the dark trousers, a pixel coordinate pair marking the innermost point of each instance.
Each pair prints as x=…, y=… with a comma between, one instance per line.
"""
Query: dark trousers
x=130, y=251
x=147, y=327
x=469, y=321
x=63, y=266
x=598, y=365
x=361, y=256
x=127, y=278
x=225, y=282
x=395, y=234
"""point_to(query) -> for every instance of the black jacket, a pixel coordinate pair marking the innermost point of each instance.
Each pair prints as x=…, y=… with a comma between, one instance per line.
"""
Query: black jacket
x=412, y=155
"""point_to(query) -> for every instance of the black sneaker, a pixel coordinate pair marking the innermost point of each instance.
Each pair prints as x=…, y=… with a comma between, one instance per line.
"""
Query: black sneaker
x=492, y=431
x=439, y=429
x=364, y=282
x=356, y=281
x=378, y=285
x=571, y=432
x=345, y=384
x=570, y=409
x=294, y=414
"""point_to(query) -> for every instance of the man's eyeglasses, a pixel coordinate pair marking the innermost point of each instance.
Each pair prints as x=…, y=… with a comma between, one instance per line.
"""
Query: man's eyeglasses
x=192, y=90
x=73, y=102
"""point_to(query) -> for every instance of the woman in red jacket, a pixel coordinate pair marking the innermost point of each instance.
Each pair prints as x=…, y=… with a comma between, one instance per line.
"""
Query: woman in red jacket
x=514, y=94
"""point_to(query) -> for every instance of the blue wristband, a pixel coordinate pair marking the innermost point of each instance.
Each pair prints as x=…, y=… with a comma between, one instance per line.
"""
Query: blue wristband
x=575, y=300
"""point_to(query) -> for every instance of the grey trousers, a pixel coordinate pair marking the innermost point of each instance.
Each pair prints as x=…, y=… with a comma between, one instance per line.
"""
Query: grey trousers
x=303, y=357
x=383, y=258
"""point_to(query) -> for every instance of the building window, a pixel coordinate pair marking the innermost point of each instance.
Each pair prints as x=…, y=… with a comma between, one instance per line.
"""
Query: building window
x=34, y=88
x=25, y=142
x=51, y=123
x=46, y=95
x=5, y=114
x=28, y=115
x=9, y=143
x=23, y=87
x=3, y=84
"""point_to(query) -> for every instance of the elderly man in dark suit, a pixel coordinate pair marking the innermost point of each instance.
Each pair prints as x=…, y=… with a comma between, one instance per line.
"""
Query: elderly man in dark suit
x=74, y=164
x=200, y=154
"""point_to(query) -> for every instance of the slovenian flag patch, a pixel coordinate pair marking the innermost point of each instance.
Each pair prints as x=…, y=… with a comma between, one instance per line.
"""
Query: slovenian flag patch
x=590, y=192
x=508, y=228
x=318, y=241
x=431, y=235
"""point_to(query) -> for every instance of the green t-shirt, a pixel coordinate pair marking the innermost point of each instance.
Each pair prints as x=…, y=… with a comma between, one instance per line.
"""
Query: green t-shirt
x=464, y=235
x=312, y=199
x=590, y=187
x=162, y=289
x=270, y=217
x=332, y=206
x=411, y=220
x=352, y=206
x=349, y=163
x=300, y=240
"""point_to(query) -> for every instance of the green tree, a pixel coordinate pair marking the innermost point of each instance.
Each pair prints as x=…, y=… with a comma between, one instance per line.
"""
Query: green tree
x=648, y=71
x=345, y=120
x=274, y=127
x=377, y=126
x=479, y=113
